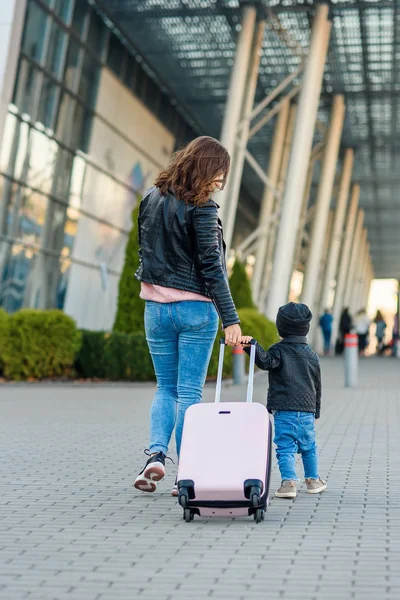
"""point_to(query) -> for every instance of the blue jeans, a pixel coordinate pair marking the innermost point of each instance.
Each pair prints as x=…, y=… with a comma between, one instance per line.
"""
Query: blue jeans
x=295, y=432
x=180, y=336
x=327, y=333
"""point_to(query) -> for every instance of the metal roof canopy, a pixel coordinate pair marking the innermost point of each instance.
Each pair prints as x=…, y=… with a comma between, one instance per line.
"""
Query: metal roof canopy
x=190, y=46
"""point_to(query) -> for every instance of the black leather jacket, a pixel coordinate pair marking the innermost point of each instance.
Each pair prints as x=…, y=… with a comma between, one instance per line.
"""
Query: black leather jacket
x=294, y=375
x=181, y=246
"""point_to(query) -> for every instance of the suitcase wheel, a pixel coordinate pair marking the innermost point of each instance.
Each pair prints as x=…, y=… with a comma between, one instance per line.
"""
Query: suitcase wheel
x=254, y=495
x=183, y=497
x=188, y=515
x=259, y=515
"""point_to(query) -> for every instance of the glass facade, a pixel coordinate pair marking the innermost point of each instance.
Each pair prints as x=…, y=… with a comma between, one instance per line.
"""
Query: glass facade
x=46, y=169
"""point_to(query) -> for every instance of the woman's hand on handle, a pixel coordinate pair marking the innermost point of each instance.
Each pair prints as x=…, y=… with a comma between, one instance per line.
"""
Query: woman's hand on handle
x=233, y=335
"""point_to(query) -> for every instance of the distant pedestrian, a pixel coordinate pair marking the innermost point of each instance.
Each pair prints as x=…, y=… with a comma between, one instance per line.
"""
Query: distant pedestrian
x=396, y=334
x=325, y=323
x=345, y=326
x=380, y=330
x=362, y=325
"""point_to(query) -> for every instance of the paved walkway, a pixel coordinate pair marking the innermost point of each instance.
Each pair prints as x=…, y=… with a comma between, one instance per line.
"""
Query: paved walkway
x=73, y=527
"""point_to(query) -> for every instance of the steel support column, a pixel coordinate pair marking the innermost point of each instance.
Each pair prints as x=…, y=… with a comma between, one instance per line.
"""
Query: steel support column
x=325, y=254
x=343, y=270
x=317, y=342
x=277, y=208
x=299, y=160
x=12, y=24
x=268, y=200
x=239, y=153
x=358, y=272
x=338, y=230
x=304, y=208
x=364, y=278
x=236, y=95
x=324, y=195
x=355, y=257
x=368, y=281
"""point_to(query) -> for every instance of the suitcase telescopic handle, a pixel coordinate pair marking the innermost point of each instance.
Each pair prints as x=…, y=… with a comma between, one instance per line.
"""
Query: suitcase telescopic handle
x=250, y=383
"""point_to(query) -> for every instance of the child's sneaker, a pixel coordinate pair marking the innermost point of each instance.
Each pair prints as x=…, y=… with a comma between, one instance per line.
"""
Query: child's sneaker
x=287, y=490
x=154, y=471
x=315, y=486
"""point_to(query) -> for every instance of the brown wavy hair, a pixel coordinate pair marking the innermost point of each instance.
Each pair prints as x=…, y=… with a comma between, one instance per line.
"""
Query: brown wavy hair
x=192, y=172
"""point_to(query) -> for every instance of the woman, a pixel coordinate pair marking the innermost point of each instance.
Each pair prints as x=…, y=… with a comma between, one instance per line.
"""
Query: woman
x=184, y=282
x=380, y=330
x=362, y=324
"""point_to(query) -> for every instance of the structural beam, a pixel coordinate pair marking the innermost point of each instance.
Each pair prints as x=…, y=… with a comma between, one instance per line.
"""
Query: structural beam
x=312, y=275
x=343, y=270
x=199, y=11
x=299, y=159
x=355, y=254
x=305, y=214
x=359, y=272
x=236, y=95
x=12, y=23
x=316, y=341
x=240, y=149
x=277, y=207
x=268, y=199
x=363, y=278
x=338, y=230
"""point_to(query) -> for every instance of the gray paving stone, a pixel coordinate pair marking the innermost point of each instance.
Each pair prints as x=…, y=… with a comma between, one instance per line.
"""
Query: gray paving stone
x=72, y=526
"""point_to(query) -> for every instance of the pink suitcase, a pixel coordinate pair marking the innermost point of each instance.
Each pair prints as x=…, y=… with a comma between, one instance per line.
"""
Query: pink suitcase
x=225, y=460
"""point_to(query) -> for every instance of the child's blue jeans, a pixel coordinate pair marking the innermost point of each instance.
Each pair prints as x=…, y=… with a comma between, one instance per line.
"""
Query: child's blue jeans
x=295, y=433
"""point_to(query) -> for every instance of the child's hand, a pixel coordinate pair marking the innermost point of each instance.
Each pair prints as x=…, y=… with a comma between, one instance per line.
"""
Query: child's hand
x=245, y=340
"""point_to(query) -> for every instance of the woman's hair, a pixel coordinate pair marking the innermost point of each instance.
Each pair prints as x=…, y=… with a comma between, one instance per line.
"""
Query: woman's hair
x=192, y=172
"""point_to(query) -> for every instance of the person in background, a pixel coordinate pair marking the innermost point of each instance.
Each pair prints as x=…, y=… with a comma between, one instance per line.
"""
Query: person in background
x=325, y=323
x=346, y=322
x=396, y=334
x=345, y=326
x=380, y=330
x=362, y=324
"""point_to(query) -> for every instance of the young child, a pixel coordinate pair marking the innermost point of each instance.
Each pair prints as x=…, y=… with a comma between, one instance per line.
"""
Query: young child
x=294, y=397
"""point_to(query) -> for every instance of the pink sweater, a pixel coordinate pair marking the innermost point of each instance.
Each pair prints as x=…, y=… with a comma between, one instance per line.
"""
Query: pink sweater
x=157, y=293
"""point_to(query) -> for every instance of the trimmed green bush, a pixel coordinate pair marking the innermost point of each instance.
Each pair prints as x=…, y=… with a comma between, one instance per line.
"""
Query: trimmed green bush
x=3, y=329
x=130, y=309
x=127, y=358
x=90, y=360
x=240, y=286
x=114, y=357
x=39, y=344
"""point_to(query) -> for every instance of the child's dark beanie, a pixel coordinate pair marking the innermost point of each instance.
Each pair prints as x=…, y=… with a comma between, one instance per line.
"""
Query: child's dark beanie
x=293, y=319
